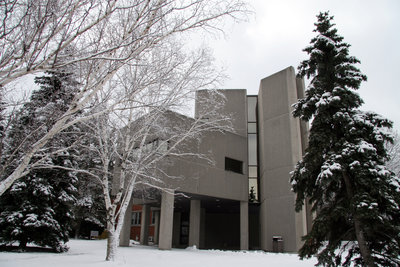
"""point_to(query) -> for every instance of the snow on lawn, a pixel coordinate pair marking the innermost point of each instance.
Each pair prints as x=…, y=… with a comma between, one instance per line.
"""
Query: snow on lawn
x=92, y=253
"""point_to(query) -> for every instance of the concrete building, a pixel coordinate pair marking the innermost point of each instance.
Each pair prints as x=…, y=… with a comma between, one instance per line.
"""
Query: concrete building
x=244, y=200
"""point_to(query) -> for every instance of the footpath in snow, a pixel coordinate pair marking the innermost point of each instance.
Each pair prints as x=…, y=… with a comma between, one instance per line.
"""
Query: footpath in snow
x=92, y=253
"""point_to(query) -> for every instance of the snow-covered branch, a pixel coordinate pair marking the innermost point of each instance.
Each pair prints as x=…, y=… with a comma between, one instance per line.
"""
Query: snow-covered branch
x=393, y=150
x=101, y=42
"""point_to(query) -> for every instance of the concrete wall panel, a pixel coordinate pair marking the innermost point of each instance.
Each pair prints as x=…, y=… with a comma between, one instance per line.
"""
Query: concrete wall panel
x=280, y=223
x=200, y=177
x=280, y=147
x=278, y=184
x=229, y=102
x=276, y=134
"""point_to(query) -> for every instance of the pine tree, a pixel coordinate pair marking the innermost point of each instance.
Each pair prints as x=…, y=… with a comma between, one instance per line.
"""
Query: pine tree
x=343, y=174
x=37, y=208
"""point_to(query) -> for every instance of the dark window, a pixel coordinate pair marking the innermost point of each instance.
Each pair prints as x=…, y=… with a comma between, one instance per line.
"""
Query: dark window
x=136, y=218
x=153, y=216
x=233, y=165
x=253, y=189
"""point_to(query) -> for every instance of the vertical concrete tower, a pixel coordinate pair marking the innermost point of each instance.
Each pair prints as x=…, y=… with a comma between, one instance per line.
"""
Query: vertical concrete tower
x=281, y=144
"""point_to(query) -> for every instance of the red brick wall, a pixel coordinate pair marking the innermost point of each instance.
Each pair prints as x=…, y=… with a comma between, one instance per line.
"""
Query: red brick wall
x=135, y=229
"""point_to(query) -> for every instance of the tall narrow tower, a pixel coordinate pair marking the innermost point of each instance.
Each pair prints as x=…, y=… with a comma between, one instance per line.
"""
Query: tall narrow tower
x=281, y=142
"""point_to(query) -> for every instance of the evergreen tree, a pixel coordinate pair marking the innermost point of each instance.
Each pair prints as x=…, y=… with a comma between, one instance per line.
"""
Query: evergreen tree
x=343, y=174
x=37, y=208
x=89, y=209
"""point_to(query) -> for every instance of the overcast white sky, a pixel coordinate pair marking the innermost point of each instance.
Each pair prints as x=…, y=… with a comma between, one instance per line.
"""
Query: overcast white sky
x=275, y=37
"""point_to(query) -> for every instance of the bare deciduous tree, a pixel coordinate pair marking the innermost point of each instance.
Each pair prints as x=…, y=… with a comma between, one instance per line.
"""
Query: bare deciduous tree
x=393, y=150
x=96, y=40
x=38, y=35
x=136, y=141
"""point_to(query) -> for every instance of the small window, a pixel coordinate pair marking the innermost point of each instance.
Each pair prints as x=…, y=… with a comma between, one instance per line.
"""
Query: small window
x=234, y=165
x=252, y=171
x=154, y=214
x=252, y=148
x=252, y=108
x=136, y=218
x=252, y=127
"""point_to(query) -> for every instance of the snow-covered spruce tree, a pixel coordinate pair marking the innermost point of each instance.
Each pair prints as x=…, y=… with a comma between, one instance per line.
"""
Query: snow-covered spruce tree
x=89, y=209
x=343, y=174
x=37, y=208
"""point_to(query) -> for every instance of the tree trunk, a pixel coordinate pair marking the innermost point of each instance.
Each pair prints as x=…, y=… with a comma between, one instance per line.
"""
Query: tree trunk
x=78, y=229
x=112, y=240
x=22, y=244
x=364, y=250
x=362, y=244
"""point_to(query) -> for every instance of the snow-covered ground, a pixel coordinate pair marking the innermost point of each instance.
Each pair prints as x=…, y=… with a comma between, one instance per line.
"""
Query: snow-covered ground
x=92, y=253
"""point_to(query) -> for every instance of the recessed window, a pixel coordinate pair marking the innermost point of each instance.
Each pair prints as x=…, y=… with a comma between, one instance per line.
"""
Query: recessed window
x=154, y=214
x=252, y=127
x=251, y=108
x=252, y=146
x=253, y=171
x=136, y=217
x=233, y=165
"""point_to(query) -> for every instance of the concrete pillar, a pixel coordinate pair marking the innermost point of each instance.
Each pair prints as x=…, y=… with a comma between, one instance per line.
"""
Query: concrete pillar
x=304, y=130
x=144, y=227
x=166, y=220
x=244, y=225
x=125, y=234
x=194, y=223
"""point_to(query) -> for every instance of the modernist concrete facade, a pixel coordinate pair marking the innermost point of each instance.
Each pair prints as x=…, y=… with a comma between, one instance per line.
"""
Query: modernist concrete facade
x=210, y=207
